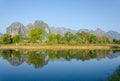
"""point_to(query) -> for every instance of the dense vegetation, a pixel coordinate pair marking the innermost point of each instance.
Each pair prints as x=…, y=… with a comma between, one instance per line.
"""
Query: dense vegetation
x=36, y=36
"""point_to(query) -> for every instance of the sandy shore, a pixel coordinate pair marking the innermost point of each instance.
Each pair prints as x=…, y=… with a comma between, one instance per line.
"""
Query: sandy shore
x=55, y=47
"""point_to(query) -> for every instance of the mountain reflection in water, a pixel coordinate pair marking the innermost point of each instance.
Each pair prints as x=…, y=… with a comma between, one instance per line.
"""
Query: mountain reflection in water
x=41, y=58
x=59, y=65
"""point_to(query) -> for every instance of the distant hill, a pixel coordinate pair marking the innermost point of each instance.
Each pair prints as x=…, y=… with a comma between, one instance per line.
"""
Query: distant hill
x=18, y=28
x=98, y=31
x=39, y=24
x=61, y=30
x=113, y=34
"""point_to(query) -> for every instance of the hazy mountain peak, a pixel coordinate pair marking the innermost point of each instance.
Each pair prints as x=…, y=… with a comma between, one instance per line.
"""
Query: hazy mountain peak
x=16, y=28
x=113, y=34
x=112, y=31
x=19, y=28
x=98, y=31
x=29, y=27
x=17, y=24
x=39, y=21
x=84, y=30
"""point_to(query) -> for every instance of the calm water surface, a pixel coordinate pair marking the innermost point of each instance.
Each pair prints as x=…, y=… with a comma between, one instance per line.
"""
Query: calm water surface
x=64, y=65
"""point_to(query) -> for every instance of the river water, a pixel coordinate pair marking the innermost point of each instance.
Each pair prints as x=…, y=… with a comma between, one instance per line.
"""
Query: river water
x=58, y=65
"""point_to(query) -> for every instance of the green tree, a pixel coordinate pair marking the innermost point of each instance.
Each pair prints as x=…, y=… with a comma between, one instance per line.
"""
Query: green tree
x=16, y=38
x=59, y=37
x=52, y=39
x=6, y=39
x=35, y=35
x=103, y=39
x=83, y=37
x=78, y=37
x=93, y=39
x=115, y=41
x=63, y=40
x=55, y=38
x=69, y=36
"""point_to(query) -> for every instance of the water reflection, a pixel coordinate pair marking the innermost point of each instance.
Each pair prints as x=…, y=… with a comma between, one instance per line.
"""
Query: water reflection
x=115, y=76
x=41, y=58
x=60, y=65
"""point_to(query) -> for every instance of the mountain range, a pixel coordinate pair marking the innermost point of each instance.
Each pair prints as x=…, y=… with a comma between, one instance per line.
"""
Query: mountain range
x=18, y=28
x=110, y=34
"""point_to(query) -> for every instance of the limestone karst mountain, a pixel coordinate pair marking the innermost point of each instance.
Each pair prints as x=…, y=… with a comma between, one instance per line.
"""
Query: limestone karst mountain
x=113, y=34
x=98, y=31
x=40, y=24
x=18, y=28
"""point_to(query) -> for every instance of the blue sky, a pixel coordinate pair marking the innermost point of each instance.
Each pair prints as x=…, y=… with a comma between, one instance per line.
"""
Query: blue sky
x=74, y=14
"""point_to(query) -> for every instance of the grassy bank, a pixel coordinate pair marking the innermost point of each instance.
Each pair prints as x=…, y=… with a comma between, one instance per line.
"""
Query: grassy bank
x=59, y=47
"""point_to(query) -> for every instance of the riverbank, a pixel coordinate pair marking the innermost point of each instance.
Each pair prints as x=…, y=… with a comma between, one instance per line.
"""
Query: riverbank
x=62, y=47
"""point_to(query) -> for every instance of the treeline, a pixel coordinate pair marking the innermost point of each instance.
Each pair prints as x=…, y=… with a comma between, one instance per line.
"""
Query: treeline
x=36, y=36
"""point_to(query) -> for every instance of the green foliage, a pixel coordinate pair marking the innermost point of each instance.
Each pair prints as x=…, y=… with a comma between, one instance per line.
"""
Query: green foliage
x=80, y=38
x=93, y=39
x=116, y=41
x=6, y=39
x=35, y=35
x=103, y=39
x=16, y=38
x=85, y=38
x=52, y=38
x=69, y=36
x=63, y=40
x=59, y=37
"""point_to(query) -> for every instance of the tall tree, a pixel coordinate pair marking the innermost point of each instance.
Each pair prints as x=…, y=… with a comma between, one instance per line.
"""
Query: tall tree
x=115, y=41
x=63, y=40
x=6, y=39
x=93, y=39
x=16, y=38
x=85, y=37
x=52, y=38
x=35, y=35
x=78, y=37
x=69, y=36
x=59, y=37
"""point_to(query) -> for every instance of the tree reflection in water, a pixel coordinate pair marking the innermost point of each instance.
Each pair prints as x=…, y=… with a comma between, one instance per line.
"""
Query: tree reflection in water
x=41, y=58
x=115, y=76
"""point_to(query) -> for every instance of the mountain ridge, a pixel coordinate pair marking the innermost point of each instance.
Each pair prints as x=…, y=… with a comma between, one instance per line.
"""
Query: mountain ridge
x=110, y=34
x=19, y=28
